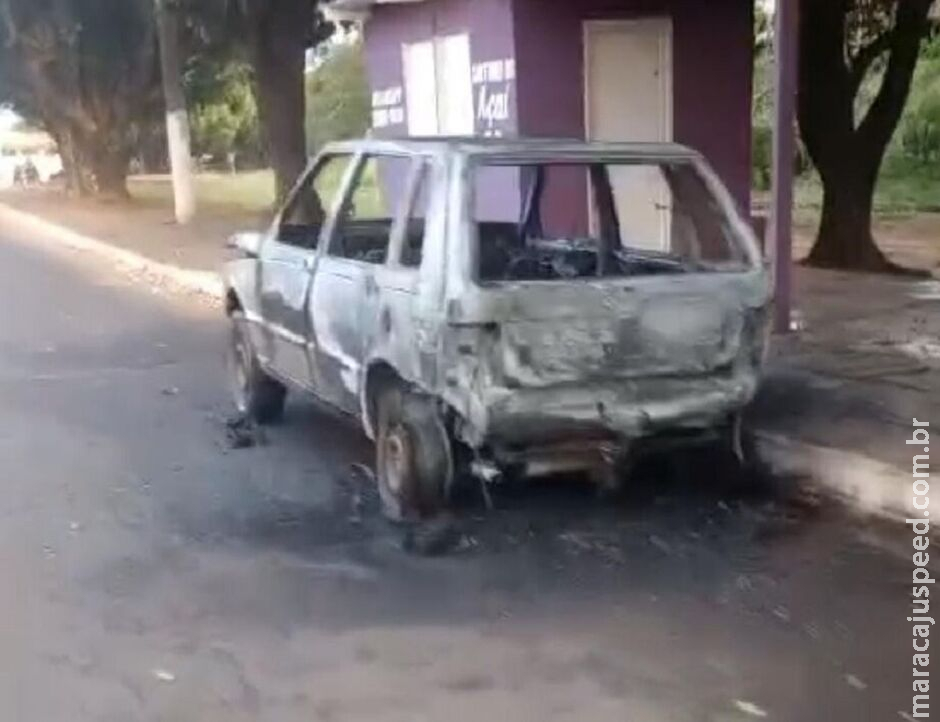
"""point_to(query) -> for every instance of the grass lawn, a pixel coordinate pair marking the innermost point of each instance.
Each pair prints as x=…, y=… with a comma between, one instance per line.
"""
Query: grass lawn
x=902, y=191
x=250, y=192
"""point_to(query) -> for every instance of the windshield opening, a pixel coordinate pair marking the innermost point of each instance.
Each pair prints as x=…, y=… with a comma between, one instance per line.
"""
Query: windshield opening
x=561, y=221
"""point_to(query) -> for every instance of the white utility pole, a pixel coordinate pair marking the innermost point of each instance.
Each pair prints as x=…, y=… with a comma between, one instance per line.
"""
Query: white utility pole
x=177, y=119
x=780, y=232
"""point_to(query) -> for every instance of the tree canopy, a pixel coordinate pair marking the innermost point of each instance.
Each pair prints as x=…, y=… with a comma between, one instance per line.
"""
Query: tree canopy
x=845, y=128
x=223, y=110
x=86, y=70
x=338, y=97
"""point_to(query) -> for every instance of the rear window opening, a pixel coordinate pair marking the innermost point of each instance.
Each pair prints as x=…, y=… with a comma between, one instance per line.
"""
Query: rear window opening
x=565, y=221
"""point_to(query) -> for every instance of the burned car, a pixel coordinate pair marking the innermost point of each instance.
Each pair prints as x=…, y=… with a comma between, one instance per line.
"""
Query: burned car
x=483, y=306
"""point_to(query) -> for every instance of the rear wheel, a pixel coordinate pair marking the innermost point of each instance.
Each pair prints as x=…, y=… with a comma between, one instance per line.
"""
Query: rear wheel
x=254, y=392
x=414, y=466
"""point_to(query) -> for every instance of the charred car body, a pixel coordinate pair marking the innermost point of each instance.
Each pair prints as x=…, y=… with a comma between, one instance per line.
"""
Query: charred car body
x=484, y=305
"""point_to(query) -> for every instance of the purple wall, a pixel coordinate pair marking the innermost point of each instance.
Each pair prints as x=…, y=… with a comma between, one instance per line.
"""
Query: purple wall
x=712, y=73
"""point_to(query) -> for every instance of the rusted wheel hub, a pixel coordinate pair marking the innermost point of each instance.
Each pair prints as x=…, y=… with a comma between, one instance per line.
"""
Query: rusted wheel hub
x=398, y=461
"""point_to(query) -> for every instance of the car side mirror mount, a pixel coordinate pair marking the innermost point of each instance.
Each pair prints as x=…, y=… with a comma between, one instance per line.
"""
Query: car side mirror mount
x=247, y=242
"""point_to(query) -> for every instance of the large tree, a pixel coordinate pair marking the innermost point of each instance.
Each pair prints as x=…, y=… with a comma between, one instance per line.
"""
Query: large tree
x=273, y=36
x=844, y=45
x=279, y=35
x=279, y=32
x=88, y=71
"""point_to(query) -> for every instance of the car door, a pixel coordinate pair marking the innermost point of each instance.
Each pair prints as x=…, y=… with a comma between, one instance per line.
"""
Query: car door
x=344, y=301
x=288, y=258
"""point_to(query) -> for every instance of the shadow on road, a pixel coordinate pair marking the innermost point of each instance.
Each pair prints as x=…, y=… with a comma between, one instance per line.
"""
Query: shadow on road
x=688, y=511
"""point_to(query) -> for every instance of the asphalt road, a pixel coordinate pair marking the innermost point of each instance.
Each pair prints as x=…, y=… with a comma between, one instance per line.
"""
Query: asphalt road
x=150, y=572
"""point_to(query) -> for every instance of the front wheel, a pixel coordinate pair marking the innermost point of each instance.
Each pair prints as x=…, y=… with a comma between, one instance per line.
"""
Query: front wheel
x=414, y=465
x=255, y=394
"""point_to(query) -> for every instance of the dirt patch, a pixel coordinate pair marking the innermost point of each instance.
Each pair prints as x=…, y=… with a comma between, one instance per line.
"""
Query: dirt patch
x=909, y=240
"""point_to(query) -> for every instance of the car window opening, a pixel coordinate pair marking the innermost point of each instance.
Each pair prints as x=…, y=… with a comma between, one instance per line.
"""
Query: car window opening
x=565, y=221
x=386, y=190
x=303, y=217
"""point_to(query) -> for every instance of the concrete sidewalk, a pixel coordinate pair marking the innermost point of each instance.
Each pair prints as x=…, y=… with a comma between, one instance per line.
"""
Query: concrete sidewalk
x=144, y=228
x=840, y=394
x=136, y=239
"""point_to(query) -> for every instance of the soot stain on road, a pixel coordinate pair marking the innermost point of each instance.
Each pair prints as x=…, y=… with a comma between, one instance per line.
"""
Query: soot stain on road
x=681, y=516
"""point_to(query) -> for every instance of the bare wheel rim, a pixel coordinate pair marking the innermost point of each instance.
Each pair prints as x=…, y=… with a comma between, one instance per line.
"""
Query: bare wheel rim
x=239, y=364
x=397, y=463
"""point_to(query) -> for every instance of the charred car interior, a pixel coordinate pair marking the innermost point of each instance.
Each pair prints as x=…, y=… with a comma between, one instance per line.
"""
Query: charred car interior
x=687, y=232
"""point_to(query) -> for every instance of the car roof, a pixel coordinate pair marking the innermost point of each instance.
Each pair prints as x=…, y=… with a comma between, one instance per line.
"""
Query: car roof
x=514, y=148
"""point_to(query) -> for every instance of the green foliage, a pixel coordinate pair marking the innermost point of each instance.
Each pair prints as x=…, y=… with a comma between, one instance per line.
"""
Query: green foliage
x=920, y=128
x=338, y=98
x=762, y=115
x=920, y=135
x=761, y=156
x=223, y=111
x=911, y=173
x=762, y=108
x=763, y=30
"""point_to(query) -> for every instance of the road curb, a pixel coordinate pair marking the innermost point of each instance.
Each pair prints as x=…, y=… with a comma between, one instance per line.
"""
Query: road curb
x=187, y=280
x=868, y=485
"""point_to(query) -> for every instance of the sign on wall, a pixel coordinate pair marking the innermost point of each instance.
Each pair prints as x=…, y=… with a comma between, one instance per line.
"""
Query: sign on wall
x=443, y=93
x=388, y=107
x=494, y=83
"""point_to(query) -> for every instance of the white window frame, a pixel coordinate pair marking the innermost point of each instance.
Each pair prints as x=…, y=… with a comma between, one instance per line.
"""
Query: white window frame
x=438, y=98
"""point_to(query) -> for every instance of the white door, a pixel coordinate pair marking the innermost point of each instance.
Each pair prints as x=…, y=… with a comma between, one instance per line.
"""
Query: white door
x=628, y=97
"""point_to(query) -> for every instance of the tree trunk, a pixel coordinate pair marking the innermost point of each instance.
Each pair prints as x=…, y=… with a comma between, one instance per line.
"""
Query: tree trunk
x=109, y=167
x=76, y=181
x=177, y=118
x=845, y=239
x=280, y=30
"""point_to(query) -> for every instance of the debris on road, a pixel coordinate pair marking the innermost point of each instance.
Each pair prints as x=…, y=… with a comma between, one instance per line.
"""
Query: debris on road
x=812, y=630
x=164, y=675
x=608, y=550
x=361, y=483
x=243, y=432
x=660, y=544
x=749, y=708
x=435, y=537
x=855, y=683
x=171, y=391
x=363, y=471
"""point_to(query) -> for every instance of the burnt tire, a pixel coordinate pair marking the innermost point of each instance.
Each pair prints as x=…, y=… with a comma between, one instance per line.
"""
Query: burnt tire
x=256, y=394
x=414, y=465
